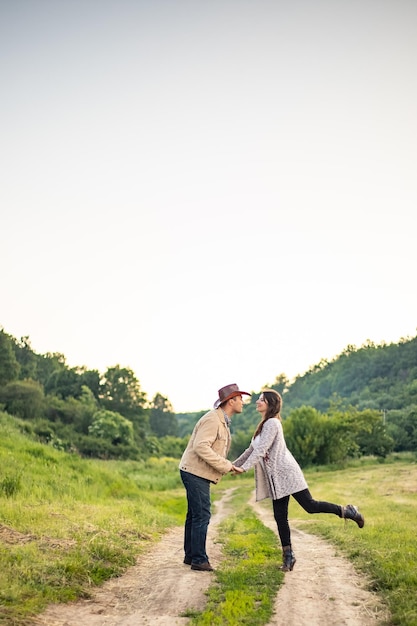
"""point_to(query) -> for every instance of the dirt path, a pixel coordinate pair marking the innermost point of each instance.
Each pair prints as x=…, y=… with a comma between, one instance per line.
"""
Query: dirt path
x=155, y=592
x=322, y=589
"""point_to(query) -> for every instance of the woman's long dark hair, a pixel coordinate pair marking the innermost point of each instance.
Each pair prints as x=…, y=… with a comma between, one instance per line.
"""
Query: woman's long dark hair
x=274, y=403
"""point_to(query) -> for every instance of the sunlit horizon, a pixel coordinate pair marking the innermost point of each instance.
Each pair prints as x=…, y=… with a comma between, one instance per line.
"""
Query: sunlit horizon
x=208, y=193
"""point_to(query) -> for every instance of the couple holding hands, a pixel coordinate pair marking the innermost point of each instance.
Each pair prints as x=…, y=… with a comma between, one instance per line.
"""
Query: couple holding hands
x=277, y=474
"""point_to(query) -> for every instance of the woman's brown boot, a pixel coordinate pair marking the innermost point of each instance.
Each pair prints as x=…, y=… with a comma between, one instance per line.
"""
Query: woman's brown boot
x=351, y=512
x=288, y=559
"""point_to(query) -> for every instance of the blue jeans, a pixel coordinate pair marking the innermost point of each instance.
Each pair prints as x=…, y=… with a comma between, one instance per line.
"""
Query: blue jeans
x=198, y=517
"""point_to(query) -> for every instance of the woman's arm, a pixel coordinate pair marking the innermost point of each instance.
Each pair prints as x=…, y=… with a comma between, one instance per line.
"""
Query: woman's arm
x=242, y=458
x=266, y=439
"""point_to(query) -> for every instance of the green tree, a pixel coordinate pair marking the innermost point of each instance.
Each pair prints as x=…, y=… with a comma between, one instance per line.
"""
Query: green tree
x=89, y=405
x=47, y=364
x=23, y=398
x=76, y=412
x=187, y=421
x=304, y=434
x=112, y=427
x=375, y=441
x=240, y=441
x=371, y=435
x=162, y=420
x=26, y=358
x=64, y=383
x=121, y=392
x=280, y=384
x=339, y=431
x=171, y=446
x=92, y=380
x=402, y=428
x=9, y=367
x=153, y=445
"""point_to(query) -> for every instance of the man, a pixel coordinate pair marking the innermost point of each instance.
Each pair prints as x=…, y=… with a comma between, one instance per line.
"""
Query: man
x=204, y=462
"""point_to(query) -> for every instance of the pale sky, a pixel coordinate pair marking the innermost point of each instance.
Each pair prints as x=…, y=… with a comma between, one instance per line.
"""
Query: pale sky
x=207, y=192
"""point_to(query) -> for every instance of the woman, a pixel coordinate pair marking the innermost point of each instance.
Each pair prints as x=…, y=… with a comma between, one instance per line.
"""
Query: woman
x=278, y=475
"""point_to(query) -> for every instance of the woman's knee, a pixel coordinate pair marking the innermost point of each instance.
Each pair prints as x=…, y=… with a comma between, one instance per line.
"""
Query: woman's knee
x=307, y=503
x=310, y=507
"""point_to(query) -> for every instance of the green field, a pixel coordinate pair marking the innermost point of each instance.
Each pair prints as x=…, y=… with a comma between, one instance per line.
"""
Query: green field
x=67, y=524
x=386, y=549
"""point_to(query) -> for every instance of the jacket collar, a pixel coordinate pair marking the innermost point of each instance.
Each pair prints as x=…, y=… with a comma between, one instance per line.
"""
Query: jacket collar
x=223, y=417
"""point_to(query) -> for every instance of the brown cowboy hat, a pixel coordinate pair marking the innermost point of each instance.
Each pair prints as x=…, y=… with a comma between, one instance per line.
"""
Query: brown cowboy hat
x=230, y=391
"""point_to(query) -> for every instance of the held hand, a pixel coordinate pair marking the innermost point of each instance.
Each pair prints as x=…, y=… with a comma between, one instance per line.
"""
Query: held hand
x=236, y=470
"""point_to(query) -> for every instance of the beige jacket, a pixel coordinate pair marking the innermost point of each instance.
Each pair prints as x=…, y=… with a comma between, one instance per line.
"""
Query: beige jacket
x=208, y=447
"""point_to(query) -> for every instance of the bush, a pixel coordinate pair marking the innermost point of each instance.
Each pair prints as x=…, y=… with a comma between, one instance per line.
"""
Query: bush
x=23, y=398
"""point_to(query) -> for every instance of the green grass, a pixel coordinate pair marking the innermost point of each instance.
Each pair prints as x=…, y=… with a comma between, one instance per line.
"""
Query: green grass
x=386, y=548
x=68, y=524
x=248, y=578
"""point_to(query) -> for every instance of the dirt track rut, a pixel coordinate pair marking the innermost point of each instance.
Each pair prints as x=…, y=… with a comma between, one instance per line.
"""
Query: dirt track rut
x=323, y=589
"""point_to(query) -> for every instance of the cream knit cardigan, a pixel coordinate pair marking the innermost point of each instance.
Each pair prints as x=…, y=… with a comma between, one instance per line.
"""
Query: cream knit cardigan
x=277, y=473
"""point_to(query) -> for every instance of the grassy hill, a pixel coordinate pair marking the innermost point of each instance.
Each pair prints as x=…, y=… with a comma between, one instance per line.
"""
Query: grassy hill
x=67, y=523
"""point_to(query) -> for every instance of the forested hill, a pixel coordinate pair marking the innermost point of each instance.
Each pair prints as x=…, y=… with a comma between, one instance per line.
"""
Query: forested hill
x=108, y=415
x=363, y=402
x=373, y=376
x=376, y=377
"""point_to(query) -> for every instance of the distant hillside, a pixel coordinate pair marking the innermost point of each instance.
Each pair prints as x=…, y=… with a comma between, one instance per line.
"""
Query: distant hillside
x=107, y=415
x=373, y=376
x=380, y=379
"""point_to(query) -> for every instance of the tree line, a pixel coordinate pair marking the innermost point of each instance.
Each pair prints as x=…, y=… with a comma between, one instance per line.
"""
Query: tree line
x=76, y=409
x=363, y=402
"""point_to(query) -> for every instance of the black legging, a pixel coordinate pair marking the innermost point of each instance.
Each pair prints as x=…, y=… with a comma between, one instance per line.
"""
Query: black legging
x=304, y=499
